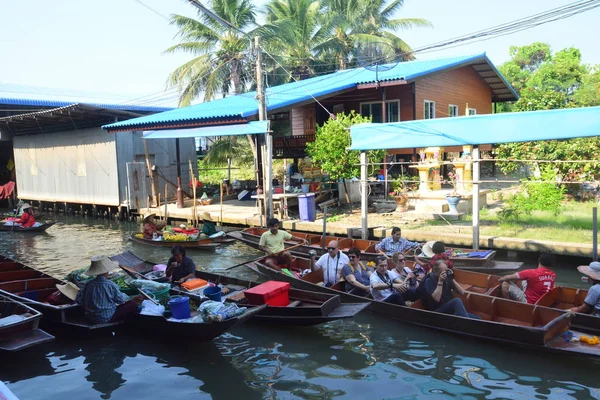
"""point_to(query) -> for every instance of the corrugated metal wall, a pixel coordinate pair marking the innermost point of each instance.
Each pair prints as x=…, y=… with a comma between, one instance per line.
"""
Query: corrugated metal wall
x=73, y=166
x=130, y=148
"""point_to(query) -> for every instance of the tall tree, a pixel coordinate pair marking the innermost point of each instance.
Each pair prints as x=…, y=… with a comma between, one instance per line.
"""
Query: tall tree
x=219, y=52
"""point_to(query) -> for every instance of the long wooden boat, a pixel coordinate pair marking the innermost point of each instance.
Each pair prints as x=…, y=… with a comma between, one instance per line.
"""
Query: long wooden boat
x=251, y=237
x=38, y=216
x=306, y=307
x=202, y=244
x=19, y=325
x=15, y=228
x=502, y=321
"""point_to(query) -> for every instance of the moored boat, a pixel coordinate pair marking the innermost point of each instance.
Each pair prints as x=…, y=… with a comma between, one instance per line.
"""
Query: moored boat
x=16, y=228
x=19, y=325
x=505, y=321
x=461, y=257
x=200, y=244
x=304, y=309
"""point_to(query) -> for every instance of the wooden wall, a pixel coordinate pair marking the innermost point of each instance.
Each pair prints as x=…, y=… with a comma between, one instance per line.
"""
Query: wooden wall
x=459, y=86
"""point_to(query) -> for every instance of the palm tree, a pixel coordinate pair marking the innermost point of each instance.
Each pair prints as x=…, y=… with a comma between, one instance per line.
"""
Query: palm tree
x=219, y=52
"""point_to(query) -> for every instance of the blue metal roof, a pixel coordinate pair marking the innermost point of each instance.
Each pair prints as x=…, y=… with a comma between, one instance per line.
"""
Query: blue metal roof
x=246, y=105
x=479, y=129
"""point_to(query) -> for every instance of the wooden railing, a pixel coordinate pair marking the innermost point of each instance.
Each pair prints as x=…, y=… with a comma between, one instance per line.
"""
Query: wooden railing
x=296, y=141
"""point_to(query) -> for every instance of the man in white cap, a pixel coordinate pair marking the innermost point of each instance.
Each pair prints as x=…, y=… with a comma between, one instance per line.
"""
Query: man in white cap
x=101, y=298
x=591, y=303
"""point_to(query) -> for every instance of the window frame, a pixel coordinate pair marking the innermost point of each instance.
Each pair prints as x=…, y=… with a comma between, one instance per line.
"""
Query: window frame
x=387, y=102
x=425, y=107
x=471, y=109
x=454, y=106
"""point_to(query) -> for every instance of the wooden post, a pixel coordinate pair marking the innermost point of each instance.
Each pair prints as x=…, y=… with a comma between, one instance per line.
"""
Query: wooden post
x=166, y=201
x=285, y=210
x=151, y=175
x=221, y=217
x=193, y=176
x=179, y=192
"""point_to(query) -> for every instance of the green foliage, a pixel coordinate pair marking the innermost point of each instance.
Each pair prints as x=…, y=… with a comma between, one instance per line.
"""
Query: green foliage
x=549, y=81
x=330, y=150
x=541, y=196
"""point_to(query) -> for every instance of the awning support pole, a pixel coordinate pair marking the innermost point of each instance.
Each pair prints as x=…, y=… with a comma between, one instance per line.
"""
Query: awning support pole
x=364, y=194
x=476, y=169
x=262, y=116
x=179, y=195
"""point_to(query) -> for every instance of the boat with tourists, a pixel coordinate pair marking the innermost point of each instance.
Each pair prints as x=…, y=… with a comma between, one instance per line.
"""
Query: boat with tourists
x=500, y=320
x=19, y=325
x=300, y=307
x=461, y=257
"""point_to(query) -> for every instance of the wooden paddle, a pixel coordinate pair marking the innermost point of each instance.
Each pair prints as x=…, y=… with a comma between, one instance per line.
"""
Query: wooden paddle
x=135, y=274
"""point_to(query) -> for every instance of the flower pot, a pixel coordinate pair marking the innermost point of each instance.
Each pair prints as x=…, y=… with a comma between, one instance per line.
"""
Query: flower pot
x=453, y=201
x=401, y=202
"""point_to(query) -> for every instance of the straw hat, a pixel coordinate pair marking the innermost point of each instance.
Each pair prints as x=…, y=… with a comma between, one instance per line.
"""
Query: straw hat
x=428, y=249
x=148, y=215
x=68, y=289
x=592, y=270
x=25, y=206
x=206, y=216
x=101, y=265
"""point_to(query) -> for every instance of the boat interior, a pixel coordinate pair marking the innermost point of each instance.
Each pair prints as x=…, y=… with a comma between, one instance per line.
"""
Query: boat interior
x=563, y=298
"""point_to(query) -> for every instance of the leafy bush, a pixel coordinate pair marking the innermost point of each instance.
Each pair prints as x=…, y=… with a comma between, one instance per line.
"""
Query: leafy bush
x=542, y=196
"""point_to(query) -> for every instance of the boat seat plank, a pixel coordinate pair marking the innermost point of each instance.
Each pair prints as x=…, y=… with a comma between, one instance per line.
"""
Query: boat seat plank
x=295, y=303
x=511, y=321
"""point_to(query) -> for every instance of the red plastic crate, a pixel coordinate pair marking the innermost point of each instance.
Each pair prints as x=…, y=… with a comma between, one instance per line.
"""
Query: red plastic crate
x=273, y=293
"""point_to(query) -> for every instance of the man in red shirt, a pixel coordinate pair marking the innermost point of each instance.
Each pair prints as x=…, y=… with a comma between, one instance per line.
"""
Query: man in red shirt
x=538, y=282
x=27, y=220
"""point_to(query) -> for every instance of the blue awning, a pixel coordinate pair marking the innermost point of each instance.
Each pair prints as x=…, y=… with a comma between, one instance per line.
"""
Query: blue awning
x=479, y=129
x=250, y=128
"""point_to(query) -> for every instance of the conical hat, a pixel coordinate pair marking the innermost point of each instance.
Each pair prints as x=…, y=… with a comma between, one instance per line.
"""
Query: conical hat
x=25, y=206
x=68, y=289
x=206, y=216
x=101, y=265
x=148, y=215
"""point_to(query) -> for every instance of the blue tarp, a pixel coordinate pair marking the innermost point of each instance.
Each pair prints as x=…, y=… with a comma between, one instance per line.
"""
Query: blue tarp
x=251, y=128
x=479, y=129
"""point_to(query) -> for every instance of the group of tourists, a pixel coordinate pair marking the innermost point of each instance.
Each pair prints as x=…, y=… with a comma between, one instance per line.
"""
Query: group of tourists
x=431, y=281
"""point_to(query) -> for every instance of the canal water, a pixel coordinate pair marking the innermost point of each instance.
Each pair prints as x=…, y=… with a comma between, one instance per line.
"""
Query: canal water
x=369, y=357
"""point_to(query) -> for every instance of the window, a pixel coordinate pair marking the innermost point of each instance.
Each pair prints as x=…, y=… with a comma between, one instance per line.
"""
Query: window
x=374, y=110
x=471, y=111
x=429, y=110
x=452, y=110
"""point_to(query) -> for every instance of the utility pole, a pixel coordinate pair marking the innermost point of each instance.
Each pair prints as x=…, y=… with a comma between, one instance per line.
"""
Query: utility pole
x=262, y=116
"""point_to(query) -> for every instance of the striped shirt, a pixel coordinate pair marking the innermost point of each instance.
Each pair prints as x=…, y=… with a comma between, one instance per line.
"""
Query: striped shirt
x=100, y=298
x=389, y=247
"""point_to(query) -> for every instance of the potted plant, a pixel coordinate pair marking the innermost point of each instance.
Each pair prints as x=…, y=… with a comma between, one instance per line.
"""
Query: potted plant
x=399, y=188
x=453, y=198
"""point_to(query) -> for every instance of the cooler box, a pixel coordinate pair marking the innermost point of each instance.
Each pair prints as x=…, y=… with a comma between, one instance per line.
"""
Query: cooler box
x=307, y=207
x=245, y=195
x=273, y=293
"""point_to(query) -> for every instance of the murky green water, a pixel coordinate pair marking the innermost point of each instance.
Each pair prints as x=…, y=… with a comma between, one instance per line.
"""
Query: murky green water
x=366, y=358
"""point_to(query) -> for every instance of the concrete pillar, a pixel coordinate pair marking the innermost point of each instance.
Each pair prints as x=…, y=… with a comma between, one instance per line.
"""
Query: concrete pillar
x=476, y=169
x=364, y=196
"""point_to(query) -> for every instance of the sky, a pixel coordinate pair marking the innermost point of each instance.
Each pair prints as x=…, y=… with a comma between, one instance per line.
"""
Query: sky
x=116, y=46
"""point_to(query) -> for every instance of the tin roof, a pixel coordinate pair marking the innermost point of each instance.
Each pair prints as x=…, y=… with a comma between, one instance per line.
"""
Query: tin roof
x=242, y=106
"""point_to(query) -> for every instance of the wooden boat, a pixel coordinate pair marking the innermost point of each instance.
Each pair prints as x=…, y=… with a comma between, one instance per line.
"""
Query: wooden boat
x=251, y=237
x=202, y=244
x=19, y=325
x=502, y=321
x=15, y=228
x=306, y=307
x=38, y=216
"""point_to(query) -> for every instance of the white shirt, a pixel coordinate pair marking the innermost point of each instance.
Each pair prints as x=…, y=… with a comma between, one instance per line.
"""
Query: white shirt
x=332, y=267
x=379, y=295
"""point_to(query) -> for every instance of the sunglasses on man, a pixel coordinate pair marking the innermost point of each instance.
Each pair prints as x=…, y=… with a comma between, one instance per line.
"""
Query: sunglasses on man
x=331, y=248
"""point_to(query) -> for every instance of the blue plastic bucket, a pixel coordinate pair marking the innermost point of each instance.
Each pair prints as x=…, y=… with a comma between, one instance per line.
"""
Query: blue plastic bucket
x=180, y=307
x=305, y=187
x=213, y=293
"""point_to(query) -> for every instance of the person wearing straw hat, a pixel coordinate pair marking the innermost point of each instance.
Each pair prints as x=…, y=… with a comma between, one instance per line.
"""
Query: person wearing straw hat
x=101, y=298
x=434, y=250
x=208, y=225
x=591, y=303
x=150, y=227
x=27, y=219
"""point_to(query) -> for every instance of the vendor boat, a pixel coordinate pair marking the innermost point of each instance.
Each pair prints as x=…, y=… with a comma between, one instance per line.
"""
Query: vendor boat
x=461, y=257
x=502, y=321
x=19, y=325
x=17, y=228
x=305, y=307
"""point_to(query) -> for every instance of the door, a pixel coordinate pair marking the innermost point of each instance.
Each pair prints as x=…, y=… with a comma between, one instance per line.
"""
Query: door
x=137, y=195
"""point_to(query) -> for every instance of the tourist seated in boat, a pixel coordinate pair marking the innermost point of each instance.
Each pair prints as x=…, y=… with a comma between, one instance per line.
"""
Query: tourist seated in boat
x=395, y=243
x=412, y=278
x=180, y=267
x=26, y=220
x=101, y=298
x=383, y=287
x=209, y=227
x=537, y=282
x=591, y=303
x=331, y=263
x=356, y=274
x=151, y=230
x=438, y=296
x=434, y=251
x=272, y=242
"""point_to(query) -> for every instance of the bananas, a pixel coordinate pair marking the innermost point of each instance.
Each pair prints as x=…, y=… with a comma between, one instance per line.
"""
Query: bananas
x=175, y=237
x=139, y=235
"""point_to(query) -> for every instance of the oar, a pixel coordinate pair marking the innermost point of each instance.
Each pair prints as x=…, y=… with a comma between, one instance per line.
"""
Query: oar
x=135, y=274
x=260, y=258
